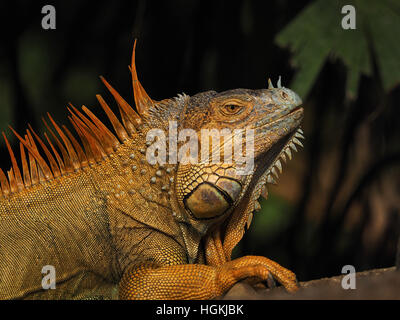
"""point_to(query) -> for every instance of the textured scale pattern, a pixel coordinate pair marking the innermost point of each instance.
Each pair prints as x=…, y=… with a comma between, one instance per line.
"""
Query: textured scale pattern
x=87, y=201
x=200, y=281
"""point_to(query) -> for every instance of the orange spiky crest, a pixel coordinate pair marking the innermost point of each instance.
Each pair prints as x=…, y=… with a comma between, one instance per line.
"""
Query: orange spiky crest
x=142, y=100
x=97, y=141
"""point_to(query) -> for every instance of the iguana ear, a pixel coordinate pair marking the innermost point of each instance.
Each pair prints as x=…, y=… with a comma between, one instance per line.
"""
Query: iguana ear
x=142, y=100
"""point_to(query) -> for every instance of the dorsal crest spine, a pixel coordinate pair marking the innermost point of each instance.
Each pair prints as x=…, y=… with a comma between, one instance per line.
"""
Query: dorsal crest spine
x=97, y=141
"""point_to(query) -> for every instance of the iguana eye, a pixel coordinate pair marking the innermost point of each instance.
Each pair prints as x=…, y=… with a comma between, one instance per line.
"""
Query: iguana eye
x=231, y=109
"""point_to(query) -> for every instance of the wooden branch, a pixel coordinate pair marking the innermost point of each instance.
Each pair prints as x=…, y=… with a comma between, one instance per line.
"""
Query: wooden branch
x=372, y=284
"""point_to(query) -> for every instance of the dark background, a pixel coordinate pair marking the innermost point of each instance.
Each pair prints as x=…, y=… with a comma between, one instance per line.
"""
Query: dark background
x=338, y=200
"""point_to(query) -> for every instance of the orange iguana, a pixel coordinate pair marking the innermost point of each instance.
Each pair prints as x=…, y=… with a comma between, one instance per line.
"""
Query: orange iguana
x=114, y=225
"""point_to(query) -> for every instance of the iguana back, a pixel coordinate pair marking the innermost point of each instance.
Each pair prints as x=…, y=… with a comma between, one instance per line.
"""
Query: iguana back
x=54, y=224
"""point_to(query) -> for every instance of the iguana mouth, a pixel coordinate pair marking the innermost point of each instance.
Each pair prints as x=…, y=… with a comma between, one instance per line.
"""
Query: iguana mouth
x=269, y=163
x=296, y=109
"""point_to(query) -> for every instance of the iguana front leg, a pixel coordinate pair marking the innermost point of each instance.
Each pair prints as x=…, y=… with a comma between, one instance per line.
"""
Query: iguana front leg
x=197, y=281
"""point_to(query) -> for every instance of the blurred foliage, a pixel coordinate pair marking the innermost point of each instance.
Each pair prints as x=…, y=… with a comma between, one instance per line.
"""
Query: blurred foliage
x=36, y=62
x=275, y=216
x=5, y=103
x=316, y=35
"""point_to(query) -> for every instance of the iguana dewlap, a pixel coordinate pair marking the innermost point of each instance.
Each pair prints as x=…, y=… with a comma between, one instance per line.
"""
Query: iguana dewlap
x=114, y=225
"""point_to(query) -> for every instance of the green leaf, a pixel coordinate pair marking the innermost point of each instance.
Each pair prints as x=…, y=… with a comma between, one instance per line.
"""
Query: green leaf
x=316, y=34
x=384, y=25
x=310, y=35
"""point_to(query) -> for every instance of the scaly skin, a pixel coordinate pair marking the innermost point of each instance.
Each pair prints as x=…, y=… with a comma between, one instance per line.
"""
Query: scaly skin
x=196, y=281
x=114, y=225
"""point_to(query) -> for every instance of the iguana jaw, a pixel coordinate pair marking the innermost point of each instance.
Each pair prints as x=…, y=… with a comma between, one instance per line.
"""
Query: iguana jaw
x=268, y=164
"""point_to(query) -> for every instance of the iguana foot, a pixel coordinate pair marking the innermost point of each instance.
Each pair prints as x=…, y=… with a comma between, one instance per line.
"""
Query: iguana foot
x=196, y=281
x=257, y=267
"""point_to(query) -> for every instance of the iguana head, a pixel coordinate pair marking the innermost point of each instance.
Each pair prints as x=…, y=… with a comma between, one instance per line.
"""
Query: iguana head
x=222, y=194
x=210, y=188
